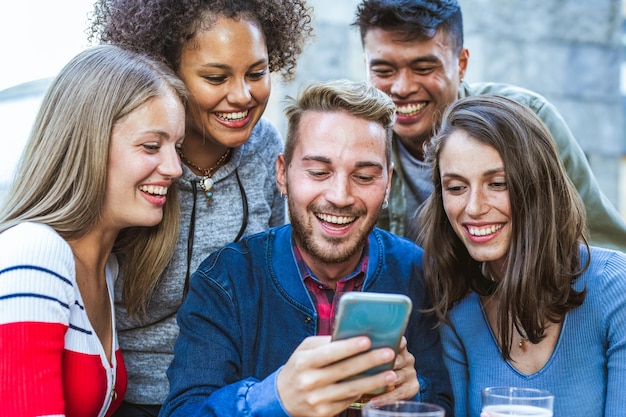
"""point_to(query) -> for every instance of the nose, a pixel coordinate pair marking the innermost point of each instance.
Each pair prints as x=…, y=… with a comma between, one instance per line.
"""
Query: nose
x=339, y=192
x=170, y=165
x=477, y=203
x=239, y=93
x=403, y=84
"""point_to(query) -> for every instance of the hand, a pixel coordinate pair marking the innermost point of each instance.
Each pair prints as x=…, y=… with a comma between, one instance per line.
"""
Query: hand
x=406, y=384
x=312, y=382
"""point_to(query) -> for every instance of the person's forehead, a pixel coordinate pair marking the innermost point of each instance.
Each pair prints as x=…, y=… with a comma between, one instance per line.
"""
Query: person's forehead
x=337, y=130
x=377, y=35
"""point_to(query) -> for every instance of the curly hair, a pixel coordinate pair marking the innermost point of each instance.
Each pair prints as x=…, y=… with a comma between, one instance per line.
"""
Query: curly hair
x=161, y=28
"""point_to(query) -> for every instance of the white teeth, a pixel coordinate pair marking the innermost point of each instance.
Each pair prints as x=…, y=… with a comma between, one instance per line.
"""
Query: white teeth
x=234, y=116
x=484, y=231
x=154, y=189
x=335, y=219
x=409, y=109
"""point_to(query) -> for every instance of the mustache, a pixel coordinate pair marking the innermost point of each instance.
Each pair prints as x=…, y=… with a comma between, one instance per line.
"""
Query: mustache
x=336, y=211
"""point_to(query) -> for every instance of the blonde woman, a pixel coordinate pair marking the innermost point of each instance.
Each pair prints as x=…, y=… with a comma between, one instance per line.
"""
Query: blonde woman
x=94, y=183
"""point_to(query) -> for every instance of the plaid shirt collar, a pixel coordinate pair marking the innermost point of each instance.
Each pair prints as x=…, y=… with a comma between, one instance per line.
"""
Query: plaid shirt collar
x=324, y=297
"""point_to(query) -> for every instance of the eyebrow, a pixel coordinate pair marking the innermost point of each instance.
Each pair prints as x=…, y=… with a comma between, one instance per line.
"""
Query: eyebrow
x=488, y=173
x=160, y=133
x=431, y=59
x=326, y=160
x=226, y=67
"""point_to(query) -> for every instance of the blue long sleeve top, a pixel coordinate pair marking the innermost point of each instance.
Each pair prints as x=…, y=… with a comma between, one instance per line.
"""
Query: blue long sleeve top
x=587, y=370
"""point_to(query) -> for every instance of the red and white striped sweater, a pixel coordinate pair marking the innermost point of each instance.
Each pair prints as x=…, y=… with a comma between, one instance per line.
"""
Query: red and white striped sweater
x=51, y=360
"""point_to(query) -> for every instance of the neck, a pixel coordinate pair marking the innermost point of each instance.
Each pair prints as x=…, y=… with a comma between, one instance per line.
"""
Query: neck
x=330, y=273
x=202, y=152
x=414, y=146
x=92, y=250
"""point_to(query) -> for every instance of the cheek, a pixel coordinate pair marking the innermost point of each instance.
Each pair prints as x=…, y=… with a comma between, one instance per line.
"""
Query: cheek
x=383, y=84
x=204, y=97
x=261, y=91
x=452, y=207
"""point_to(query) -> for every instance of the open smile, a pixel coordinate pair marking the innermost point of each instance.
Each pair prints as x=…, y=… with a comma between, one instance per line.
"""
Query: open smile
x=154, y=189
x=484, y=231
x=232, y=116
x=332, y=221
x=410, y=109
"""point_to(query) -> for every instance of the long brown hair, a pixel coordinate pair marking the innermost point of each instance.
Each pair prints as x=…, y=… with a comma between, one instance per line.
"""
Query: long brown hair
x=547, y=216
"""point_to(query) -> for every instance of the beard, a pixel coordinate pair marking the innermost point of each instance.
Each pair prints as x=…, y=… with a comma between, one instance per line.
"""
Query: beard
x=330, y=250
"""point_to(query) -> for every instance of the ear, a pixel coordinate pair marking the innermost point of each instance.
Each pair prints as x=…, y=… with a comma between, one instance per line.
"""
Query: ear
x=463, y=60
x=281, y=174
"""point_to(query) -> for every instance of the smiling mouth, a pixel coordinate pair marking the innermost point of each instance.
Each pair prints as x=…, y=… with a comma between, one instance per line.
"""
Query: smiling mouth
x=153, y=189
x=335, y=220
x=409, y=109
x=232, y=116
x=484, y=231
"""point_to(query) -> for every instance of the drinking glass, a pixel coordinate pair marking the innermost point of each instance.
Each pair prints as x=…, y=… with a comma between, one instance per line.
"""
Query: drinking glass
x=403, y=409
x=513, y=401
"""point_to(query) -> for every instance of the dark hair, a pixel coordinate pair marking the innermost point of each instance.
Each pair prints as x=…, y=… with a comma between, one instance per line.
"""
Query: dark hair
x=161, y=28
x=547, y=220
x=357, y=98
x=412, y=19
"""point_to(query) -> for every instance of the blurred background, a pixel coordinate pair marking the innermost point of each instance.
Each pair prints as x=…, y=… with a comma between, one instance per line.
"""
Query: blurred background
x=570, y=51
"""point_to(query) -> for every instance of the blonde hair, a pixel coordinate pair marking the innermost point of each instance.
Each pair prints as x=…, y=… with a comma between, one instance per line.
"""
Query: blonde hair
x=357, y=98
x=61, y=178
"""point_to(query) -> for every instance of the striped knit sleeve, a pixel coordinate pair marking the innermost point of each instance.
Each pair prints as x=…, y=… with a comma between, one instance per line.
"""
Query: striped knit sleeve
x=36, y=289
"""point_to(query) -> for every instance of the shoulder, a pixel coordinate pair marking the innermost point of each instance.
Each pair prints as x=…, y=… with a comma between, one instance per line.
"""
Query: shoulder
x=36, y=260
x=522, y=95
x=265, y=137
x=465, y=307
x=27, y=241
x=238, y=255
x=606, y=272
x=396, y=247
x=394, y=242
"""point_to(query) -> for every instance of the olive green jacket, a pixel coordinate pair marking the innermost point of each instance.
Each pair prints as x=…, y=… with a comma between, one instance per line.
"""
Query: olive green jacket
x=607, y=228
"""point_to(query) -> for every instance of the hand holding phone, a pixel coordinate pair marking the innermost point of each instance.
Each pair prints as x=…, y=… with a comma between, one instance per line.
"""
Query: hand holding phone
x=381, y=317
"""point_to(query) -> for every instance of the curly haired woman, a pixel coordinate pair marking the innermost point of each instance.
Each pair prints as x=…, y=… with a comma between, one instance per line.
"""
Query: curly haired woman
x=224, y=51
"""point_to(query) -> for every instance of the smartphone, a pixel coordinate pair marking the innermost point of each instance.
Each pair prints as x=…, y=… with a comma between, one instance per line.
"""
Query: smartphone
x=381, y=317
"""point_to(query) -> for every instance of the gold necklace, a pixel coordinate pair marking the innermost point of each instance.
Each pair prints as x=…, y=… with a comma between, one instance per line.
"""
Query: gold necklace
x=206, y=182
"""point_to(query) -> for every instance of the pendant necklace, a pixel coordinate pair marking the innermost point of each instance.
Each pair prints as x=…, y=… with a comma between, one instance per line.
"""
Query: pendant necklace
x=206, y=182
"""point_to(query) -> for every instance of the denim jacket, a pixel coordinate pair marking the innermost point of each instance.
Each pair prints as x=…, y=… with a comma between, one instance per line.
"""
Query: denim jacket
x=247, y=310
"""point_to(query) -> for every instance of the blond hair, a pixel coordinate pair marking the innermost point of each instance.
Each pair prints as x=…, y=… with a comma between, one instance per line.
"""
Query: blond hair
x=61, y=178
x=357, y=98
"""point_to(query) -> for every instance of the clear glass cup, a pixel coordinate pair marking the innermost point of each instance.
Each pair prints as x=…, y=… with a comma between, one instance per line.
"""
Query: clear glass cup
x=513, y=401
x=403, y=409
